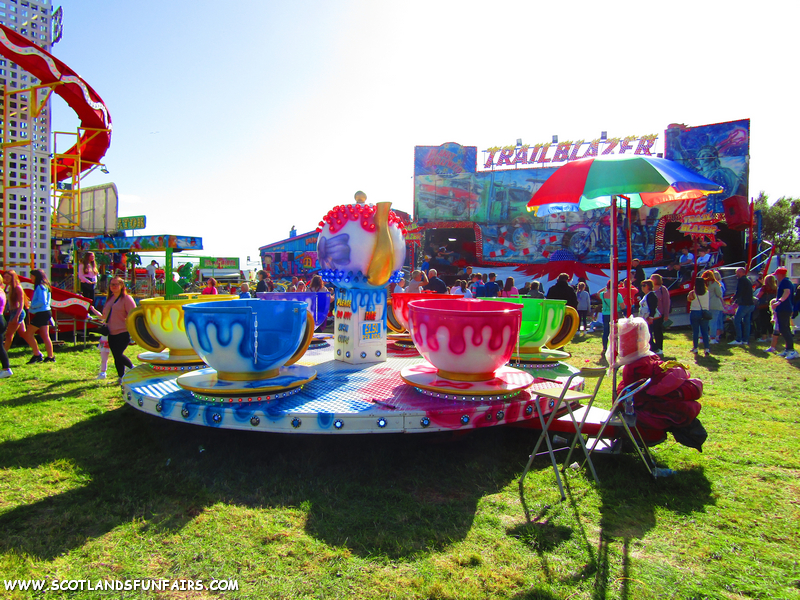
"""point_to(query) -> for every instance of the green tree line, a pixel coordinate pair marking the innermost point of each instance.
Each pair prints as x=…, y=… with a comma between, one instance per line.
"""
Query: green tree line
x=780, y=222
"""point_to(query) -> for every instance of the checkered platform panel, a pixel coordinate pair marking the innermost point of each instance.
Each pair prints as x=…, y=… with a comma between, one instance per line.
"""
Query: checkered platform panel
x=341, y=399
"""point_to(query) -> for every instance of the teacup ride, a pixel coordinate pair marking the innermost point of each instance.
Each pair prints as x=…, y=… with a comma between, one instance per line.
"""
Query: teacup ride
x=547, y=326
x=319, y=303
x=158, y=326
x=397, y=318
x=343, y=399
x=467, y=344
x=251, y=347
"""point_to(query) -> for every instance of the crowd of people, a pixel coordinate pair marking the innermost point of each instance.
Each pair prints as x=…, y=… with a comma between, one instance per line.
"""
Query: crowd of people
x=766, y=308
x=264, y=283
x=775, y=301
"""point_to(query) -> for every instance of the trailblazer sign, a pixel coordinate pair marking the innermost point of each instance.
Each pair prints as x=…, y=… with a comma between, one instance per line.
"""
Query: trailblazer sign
x=543, y=154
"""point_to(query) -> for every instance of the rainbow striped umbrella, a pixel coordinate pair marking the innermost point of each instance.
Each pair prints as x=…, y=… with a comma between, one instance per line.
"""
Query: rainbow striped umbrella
x=592, y=183
x=589, y=183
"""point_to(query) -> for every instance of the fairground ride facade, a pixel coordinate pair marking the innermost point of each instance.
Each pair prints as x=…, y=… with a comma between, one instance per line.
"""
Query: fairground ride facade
x=469, y=217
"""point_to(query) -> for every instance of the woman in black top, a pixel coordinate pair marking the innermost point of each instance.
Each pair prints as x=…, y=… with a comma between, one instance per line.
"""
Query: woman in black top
x=262, y=282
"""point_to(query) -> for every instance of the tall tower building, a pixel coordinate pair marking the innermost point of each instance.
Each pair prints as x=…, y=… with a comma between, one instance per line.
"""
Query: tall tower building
x=25, y=126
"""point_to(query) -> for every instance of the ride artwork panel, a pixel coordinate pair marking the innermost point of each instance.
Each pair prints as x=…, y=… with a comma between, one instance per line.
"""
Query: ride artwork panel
x=294, y=256
x=447, y=189
x=719, y=152
x=496, y=202
x=582, y=236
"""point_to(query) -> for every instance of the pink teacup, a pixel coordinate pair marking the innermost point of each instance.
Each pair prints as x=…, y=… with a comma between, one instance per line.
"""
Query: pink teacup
x=465, y=339
x=400, y=302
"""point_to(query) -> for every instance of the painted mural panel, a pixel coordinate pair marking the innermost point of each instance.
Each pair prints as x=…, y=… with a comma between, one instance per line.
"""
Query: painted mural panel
x=292, y=256
x=490, y=197
x=505, y=194
x=583, y=236
x=496, y=201
x=150, y=243
x=719, y=152
x=446, y=160
x=456, y=198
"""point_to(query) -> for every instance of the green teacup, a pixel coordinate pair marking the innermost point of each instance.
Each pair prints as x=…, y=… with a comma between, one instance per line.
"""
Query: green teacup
x=542, y=321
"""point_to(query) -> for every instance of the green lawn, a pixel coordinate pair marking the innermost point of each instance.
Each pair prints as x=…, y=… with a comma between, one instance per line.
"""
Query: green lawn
x=92, y=489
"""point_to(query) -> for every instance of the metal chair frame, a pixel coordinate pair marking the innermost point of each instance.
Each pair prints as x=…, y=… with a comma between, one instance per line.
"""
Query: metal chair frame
x=564, y=396
x=628, y=422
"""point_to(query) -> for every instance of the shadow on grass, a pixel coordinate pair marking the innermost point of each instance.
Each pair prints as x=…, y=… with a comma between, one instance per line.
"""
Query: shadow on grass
x=377, y=495
x=542, y=536
x=54, y=391
x=628, y=509
x=629, y=501
x=630, y=496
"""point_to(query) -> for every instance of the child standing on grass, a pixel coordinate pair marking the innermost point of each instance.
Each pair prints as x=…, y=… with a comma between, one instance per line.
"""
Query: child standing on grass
x=105, y=350
x=776, y=334
x=40, y=316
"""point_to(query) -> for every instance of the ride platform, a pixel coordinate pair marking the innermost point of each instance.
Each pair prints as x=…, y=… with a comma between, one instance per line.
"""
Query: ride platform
x=347, y=399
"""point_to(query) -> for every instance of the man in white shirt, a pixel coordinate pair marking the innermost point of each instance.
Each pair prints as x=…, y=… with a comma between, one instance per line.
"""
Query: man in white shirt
x=151, y=278
x=686, y=263
x=703, y=259
x=686, y=257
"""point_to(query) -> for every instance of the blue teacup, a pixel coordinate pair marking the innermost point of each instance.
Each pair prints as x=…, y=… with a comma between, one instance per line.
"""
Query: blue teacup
x=249, y=339
x=318, y=302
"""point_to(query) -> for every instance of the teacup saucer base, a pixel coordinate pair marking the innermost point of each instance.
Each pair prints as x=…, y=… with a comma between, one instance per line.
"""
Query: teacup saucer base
x=404, y=345
x=207, y=386
x=320, y=340
x=163, y=361
x=507, y=382
x=401, y=341
x=545, y=356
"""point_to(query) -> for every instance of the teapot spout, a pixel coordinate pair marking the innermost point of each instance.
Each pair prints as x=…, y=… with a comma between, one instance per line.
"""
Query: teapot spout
x=380, y=266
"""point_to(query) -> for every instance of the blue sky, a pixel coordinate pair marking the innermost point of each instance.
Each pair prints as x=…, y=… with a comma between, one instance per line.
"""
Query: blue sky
x=234, y=121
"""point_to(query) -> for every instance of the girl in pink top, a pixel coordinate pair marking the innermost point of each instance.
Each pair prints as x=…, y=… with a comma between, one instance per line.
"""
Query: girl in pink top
x=87, y=273
x=508, y=289
x=115, y=313
x=211, y=286
x=16, y=303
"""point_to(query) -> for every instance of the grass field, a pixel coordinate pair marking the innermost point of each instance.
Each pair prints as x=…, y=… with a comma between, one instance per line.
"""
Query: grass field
x=92, y=489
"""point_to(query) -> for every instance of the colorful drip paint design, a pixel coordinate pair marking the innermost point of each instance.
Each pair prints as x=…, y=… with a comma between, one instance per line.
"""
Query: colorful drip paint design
x=465, y=329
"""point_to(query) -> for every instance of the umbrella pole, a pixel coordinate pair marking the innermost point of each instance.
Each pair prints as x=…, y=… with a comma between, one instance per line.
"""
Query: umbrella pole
x=614, y=288
x=630, y=252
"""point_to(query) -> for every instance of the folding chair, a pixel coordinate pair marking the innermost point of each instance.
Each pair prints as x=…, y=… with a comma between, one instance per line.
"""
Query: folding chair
x=623, y=411
x=563, y=396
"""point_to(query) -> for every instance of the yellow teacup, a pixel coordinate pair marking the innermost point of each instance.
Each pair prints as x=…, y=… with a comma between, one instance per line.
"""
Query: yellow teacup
x=157, y=323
